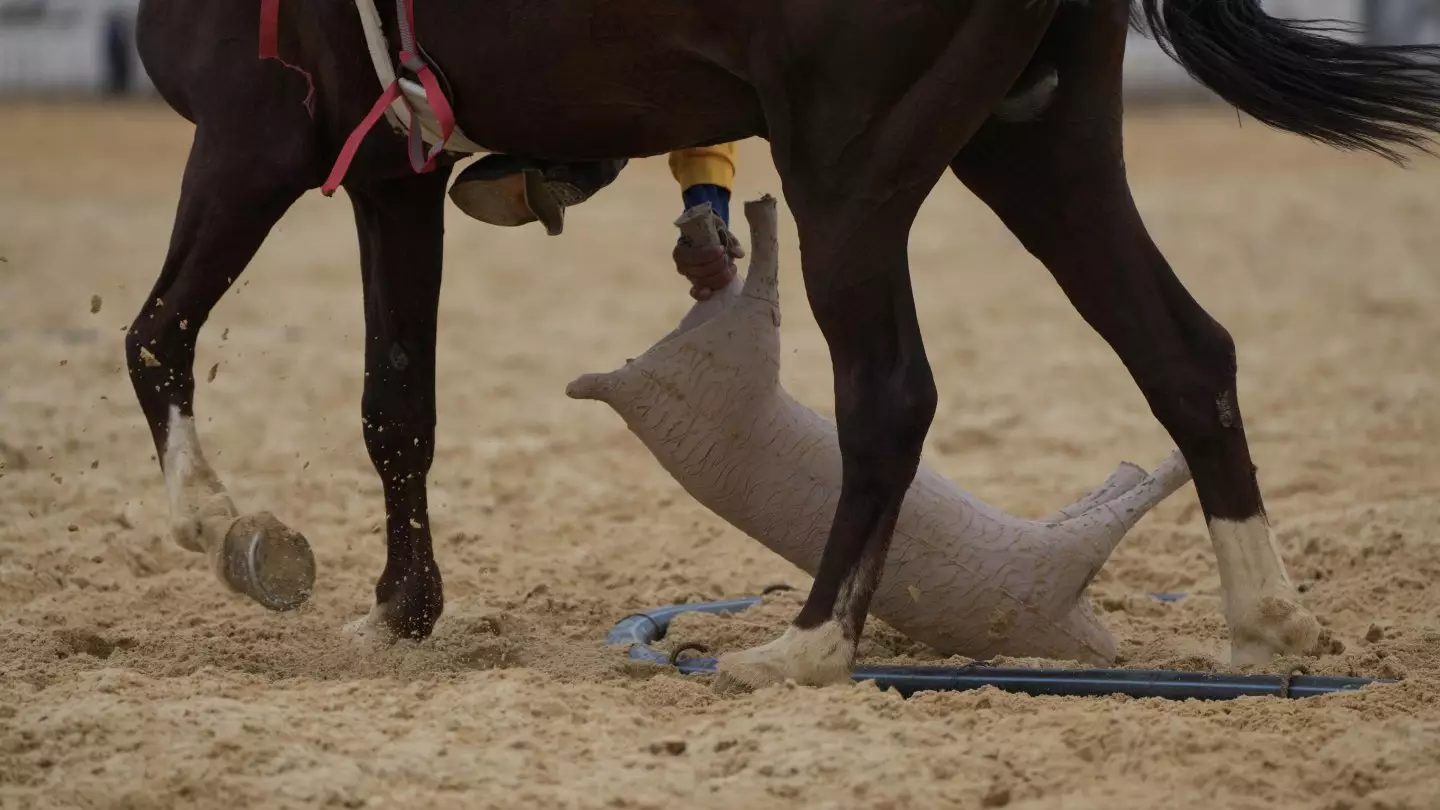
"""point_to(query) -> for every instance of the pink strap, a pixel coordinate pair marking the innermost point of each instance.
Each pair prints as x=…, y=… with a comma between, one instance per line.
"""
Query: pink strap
x=352, y=144
x=411, y=59
x=405, y=21
x=443, y=114
x=270, y=48
x=421, y=161
x=269, y=29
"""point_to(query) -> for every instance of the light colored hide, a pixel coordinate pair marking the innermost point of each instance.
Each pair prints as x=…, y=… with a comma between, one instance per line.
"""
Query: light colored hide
x=961, y=575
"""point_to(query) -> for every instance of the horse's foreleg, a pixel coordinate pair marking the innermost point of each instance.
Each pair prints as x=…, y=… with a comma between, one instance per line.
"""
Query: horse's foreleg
x=401, y=225
x=855, y=175
x=228, y=203
x=1058, y=182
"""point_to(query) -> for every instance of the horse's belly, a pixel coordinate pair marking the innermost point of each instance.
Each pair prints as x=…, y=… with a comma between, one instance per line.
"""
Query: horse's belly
x=560, y=81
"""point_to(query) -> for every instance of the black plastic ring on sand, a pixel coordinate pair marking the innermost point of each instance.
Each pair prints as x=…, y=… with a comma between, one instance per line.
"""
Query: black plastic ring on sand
x=686, y=647
x=640, y=630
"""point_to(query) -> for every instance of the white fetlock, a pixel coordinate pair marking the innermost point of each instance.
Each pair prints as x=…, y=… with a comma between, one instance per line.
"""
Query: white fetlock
x=204, y=528
x=819, y=656
x=1262, y=607
x=254, y=554
x=200, y=510
x=371, y=630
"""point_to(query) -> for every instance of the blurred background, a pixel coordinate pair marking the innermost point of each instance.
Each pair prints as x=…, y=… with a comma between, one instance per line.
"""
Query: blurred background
x=87, y=47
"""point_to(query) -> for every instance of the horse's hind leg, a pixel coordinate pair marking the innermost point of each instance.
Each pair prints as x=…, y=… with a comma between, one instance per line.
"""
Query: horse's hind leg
x=401, y=224
x=1058, y=182
x=856, y=171
x=228, y=203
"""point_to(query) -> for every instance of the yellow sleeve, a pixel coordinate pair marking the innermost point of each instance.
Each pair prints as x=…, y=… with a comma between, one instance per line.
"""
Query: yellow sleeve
x=714, y=165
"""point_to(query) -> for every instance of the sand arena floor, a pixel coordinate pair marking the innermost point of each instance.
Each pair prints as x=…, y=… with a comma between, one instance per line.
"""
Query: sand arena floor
x=130, y=679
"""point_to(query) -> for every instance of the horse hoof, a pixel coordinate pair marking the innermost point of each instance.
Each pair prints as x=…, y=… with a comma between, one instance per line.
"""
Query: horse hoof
x=819, y=656
x=1276, y=626
x=268, y=561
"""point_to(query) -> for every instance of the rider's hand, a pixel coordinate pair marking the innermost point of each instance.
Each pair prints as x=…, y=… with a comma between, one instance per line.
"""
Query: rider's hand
x=708, y=268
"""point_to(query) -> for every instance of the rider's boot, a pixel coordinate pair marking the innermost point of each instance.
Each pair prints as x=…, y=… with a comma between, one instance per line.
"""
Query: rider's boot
x=514, y=190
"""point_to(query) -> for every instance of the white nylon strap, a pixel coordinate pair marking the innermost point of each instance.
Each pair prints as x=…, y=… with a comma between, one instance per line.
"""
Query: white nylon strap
x=380, y=57
x=399, y=111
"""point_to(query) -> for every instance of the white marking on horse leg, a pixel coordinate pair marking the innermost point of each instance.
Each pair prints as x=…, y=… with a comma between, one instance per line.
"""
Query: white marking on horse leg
x=819, y=656
x=859, y=585
x=1030, y=103
x=1262, y=607
x=371, y=630
x=200, y=510
x=846, y=594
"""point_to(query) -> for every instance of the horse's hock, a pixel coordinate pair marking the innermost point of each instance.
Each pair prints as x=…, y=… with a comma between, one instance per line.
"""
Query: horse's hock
x=961, y=575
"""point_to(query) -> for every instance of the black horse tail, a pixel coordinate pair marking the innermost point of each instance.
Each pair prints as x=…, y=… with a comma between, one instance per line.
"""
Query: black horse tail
x=1291, y=76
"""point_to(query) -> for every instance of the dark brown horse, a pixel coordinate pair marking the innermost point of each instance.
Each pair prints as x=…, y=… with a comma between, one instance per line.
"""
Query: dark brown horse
x=865, y=106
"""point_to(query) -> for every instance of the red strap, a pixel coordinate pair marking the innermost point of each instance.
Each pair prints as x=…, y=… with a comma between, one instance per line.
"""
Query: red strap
x=407, y=30
x=352, y=144
x=443, y=115
x=439, y=103
x=270, y=48
x=420, y=161
x=269, y=29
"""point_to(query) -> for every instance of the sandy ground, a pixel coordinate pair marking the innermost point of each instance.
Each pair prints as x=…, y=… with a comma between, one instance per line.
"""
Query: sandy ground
x=129, y=678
